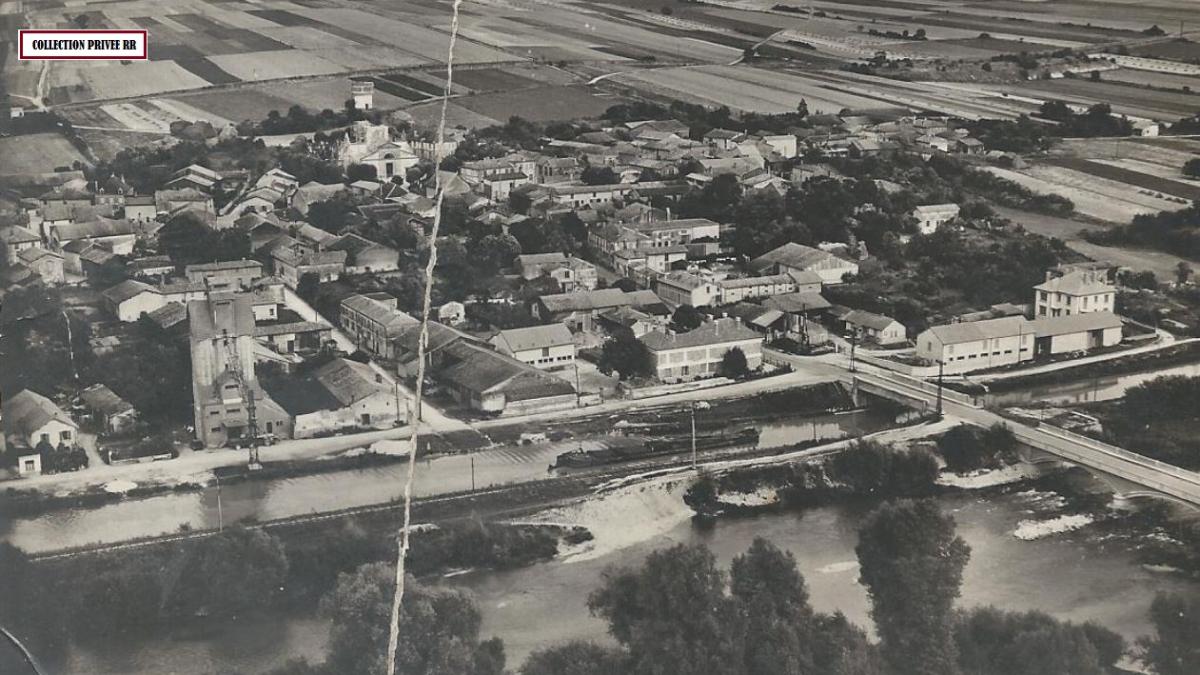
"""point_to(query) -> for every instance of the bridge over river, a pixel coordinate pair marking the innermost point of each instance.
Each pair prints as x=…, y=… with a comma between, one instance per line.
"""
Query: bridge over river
x=1128, y=473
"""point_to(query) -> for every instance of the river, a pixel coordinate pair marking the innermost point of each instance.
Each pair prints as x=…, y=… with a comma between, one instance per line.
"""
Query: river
x=273, y=499
x=1072, y=576
x=1088, y=390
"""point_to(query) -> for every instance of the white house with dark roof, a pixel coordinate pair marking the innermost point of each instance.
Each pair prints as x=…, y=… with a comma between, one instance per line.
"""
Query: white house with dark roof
x=130, y=299
x=698, y=353
x=16, y=239
x=978, y=345
x=684, y=288
x=117, y=236
x=548, y=347
x=930, y=217
x=30, y=418
x=46, y=264
x=793, y=257
x=883, y=330
x=1075, y=292
x=1076, y=333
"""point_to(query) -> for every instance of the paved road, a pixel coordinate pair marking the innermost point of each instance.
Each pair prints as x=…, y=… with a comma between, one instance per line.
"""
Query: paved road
x=1155, y=476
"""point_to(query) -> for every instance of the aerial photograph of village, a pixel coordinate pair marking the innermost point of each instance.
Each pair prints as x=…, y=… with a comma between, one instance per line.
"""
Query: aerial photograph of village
x=600, y=337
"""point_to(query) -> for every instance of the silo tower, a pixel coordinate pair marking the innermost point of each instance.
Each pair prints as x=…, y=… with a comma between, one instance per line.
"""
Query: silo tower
x=363, y=92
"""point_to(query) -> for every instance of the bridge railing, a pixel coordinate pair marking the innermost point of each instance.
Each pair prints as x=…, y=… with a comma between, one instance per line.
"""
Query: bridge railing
x=1148, y=462
x=921, y=386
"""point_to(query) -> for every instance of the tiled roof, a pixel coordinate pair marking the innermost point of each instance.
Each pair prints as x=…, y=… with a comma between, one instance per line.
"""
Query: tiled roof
x=790, y=255
x=1076, y=284
x=126, y=290
x=28, y=411
x=718, y=332
x=536, y=337
x=974, y=331
x=801, y=301
x=101, y=227
x=1075, y=323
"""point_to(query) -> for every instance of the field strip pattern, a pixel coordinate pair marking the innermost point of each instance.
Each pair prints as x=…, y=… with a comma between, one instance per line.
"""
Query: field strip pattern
x=135, y=118
x=189, y=113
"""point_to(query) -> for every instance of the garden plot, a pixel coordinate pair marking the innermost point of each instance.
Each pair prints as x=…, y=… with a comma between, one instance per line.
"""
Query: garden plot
x=275, y=65
x=135, y=118
x=189, y=113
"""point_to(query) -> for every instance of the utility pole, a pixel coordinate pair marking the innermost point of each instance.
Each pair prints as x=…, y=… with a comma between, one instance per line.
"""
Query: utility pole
x=941, y=366
x=472, y=473
x=578, y=393
x=70, y=345
x=220, y=513
x=853, y=344
x=693, y=435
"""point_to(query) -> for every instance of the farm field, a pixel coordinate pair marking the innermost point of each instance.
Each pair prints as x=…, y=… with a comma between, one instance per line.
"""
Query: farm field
x=1162, y=264
x=542, y=104
x=745, y=88
x=1165, y=151
x=1157, y=184
x=425, y=116
x=36, y=153
x=1127, y=100
x=106, y=144
x=1174, y=50
x=1093, y=197
x=1151, y=79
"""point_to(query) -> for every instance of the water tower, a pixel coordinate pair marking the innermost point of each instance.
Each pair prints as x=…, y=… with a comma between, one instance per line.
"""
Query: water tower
x=363, y=92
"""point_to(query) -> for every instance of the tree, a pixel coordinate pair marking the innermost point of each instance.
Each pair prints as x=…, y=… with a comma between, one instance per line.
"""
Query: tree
x=802, y=107
x=625, y=284
x=1183, y=272
x=672, y=614
x=911, y=562
x=575, y=658
x=702, y=496
x=1174, y=649
x=439, y=628
x=626, y=356
x=994, y=642
x=733, y=364
x=331, y=215
x=966, y=448
x=308, y=286
x=599, y=175
x=187, y=239
x=774, y=600
x=238, y=570
x=686, y=318
x=1191, y=168
x=495, y=251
